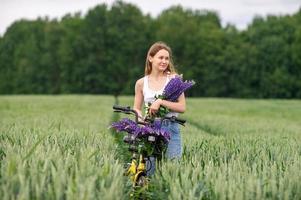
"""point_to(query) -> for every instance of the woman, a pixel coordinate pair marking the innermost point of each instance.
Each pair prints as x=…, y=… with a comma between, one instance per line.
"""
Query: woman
x=159, y=70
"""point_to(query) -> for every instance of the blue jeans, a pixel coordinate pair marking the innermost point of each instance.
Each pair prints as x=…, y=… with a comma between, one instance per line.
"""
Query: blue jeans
x=174, y=148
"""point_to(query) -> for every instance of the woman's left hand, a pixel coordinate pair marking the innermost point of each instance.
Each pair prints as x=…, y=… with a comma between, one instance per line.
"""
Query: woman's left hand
x=153, y=109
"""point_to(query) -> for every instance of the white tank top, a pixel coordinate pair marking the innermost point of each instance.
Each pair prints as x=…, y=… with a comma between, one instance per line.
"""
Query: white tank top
x=149, y=94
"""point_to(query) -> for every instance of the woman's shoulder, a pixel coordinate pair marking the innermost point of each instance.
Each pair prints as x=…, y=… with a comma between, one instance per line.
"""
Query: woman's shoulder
x=140, y=82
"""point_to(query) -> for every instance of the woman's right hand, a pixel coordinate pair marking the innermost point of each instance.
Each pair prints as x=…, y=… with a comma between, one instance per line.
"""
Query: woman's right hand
x=153, y=109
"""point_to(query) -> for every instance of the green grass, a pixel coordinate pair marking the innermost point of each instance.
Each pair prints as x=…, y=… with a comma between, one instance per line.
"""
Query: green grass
x=59, y=147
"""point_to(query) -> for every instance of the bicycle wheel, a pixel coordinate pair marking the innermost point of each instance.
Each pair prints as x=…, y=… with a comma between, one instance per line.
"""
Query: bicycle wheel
x=142, y=181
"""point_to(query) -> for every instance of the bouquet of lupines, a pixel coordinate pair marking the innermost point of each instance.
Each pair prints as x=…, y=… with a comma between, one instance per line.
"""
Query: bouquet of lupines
x=131, y=127
x=172, y=91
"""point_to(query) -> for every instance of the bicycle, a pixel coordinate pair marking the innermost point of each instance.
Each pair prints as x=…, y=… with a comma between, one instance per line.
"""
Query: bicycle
x=144, y=146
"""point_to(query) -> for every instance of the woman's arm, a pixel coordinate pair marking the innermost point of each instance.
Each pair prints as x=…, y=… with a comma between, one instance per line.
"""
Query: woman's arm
x=179, y=106
x=138, y=100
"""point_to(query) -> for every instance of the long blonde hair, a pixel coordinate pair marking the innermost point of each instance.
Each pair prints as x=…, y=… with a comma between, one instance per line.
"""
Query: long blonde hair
x=153, y=50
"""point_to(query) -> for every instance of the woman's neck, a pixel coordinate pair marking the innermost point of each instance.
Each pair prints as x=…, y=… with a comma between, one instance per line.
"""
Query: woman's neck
x=157, y=74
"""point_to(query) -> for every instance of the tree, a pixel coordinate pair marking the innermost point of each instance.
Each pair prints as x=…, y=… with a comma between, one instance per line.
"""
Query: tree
x=125, y=47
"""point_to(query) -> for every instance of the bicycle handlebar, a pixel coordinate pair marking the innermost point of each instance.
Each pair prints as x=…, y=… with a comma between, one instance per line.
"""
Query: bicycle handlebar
x=175, y=119
x=121, y=108
x=128, y=110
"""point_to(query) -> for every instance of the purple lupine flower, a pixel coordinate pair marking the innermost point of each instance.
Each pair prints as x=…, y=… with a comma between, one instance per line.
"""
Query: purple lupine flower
x=157, y=124
x=175, y=87
x=143, y=130
x=126, y=125
x=151, y=129
x=172, y=91
x=159, y=131
x=165, y=134
x=132, y=127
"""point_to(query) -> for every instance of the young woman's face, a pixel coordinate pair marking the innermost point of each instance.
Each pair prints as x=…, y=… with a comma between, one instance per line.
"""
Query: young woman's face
x=160, y=60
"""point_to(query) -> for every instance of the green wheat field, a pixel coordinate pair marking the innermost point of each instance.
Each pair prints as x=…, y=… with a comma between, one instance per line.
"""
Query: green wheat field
x=60, y=147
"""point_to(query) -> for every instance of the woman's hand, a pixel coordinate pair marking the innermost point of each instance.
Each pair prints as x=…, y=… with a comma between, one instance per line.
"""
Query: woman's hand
x=153, y=109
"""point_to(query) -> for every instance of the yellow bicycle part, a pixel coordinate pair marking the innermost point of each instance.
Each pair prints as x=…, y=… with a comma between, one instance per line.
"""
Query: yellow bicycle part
x=132, y=170
x=137, y=172
x=140, y=176
x=141, y=180
x=141, y=166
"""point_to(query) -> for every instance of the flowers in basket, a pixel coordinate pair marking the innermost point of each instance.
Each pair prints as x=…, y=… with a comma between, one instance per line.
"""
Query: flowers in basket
x=142, y=133
x=172, y=91
x=131, y=127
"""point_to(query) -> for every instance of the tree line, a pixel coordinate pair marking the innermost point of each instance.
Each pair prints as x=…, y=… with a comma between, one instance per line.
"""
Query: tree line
x=103, y=52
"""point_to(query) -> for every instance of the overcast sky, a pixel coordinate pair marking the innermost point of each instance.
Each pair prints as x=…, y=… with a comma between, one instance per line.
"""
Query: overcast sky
x=237, y=12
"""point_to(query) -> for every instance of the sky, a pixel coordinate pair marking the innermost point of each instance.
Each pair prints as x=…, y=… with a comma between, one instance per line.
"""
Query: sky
x=236, y=12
